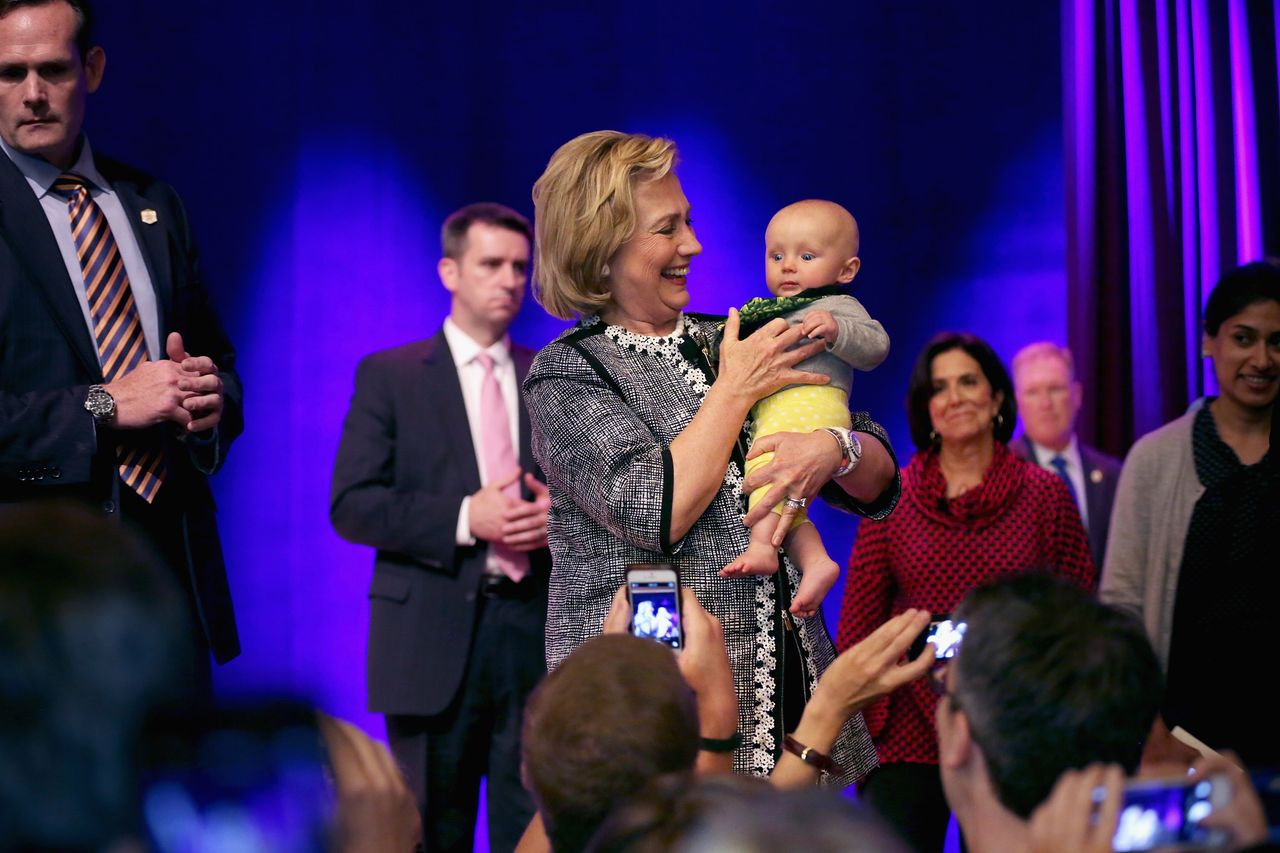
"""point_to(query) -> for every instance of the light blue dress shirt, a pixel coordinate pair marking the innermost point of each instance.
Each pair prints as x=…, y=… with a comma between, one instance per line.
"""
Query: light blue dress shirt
x=41, y=175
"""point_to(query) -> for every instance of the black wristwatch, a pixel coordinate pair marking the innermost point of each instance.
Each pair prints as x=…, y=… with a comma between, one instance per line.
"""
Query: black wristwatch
x=100, y=404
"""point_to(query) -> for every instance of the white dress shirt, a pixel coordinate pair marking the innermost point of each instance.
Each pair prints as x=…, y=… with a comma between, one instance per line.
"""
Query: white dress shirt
x=471, y=377
x=1075, y=470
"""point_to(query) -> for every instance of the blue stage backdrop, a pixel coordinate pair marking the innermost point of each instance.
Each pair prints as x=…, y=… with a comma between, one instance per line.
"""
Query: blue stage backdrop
x=319, y=145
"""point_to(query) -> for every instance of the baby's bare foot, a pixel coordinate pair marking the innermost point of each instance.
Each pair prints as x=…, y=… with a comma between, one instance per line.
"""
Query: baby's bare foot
x=815, y=582
x=756, y=560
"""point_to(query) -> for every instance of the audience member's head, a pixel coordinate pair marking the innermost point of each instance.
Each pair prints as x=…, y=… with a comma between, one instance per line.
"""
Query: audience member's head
x=742, y=814
x=616, y=714
x=1047, y=679
x=1048, y=394
x=90, y=633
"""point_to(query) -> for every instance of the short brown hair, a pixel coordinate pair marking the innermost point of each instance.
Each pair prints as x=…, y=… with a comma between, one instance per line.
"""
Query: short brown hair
x=584, y=209
x=82, y=8
x=614, y=715
x=453, y=234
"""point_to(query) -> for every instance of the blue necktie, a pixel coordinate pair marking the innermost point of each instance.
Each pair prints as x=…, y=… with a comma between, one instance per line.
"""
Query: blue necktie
x=1060, y=465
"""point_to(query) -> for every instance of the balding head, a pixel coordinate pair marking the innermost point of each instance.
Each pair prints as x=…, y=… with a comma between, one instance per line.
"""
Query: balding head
x=810, y=244
x=824, y=219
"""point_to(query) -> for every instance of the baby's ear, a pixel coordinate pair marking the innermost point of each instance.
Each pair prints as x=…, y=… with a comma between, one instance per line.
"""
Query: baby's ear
x=849, y=270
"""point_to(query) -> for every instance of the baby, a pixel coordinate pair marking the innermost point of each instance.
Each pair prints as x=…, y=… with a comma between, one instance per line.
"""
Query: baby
x=811, y=256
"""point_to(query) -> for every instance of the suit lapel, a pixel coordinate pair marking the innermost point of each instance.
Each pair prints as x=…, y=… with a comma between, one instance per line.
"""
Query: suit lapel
x=1092, y=485
x=153, y=240
x=25, y=228
x=523, y=358
x=444, y=386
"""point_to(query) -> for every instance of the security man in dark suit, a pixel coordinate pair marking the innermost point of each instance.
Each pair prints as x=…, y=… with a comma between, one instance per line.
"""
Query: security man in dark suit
x=434, y=471
x=117, y=384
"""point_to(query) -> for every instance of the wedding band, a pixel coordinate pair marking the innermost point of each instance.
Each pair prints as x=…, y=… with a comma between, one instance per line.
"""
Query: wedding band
x=795, y=503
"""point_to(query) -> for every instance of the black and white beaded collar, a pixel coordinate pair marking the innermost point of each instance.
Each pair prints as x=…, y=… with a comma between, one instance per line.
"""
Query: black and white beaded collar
x=664, y=346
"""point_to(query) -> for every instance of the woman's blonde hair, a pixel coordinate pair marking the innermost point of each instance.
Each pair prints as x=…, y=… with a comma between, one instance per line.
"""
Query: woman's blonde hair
x=584, y=209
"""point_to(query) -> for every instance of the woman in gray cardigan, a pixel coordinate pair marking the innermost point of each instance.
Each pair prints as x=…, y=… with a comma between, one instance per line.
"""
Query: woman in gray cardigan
x=1193, y=532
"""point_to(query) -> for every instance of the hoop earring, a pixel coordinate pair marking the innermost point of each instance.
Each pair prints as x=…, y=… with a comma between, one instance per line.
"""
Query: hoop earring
x=604, y=271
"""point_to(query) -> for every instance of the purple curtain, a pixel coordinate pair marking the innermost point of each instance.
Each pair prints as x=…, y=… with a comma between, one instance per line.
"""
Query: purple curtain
x=1172, y=121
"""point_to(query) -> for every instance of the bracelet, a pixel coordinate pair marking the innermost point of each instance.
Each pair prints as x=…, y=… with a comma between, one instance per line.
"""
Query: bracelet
x=812, y=757
x=721, y=744
x=850, y=449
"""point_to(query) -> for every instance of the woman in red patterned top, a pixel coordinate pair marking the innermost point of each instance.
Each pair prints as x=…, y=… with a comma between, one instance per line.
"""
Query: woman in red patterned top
x=971, y=511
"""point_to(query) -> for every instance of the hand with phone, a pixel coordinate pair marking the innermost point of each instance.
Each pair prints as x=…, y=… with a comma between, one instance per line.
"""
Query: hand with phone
x=1169, y=814
x=1074, y=819
x=944, y=634
x=1242, y=818
x=703, y=658
x=875, y=667
x=863, y=673
x=1094, y=810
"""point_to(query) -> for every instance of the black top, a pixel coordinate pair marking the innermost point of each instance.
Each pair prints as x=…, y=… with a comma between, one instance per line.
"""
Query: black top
x=1219, y=688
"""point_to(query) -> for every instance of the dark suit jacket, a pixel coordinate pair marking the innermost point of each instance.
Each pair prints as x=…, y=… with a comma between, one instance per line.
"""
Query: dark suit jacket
x=1101, y=473
x=404, y=465
x=49, y=445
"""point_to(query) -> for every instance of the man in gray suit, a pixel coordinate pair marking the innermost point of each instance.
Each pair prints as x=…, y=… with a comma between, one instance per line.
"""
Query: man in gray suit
x=434, y=471
x=1048, y=401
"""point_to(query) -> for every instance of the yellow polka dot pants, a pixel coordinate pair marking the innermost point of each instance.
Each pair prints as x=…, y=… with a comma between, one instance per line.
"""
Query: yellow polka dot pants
x=800, y=409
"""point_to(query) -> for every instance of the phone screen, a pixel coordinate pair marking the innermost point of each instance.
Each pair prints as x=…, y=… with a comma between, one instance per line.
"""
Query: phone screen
x=1160, y=815
x=241, y=780
x=944, y=635
x=655, y=614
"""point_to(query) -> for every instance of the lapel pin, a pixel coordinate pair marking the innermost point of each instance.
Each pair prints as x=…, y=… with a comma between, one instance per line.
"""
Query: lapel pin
x=1095, y=476
x=148, y=216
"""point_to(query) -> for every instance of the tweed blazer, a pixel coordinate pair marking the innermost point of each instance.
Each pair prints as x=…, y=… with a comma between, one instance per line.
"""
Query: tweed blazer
x=604, y=405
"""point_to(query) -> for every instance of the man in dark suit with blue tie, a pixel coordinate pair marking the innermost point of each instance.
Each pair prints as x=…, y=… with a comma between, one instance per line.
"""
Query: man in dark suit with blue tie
x=434, y=471
x=1048, y=401
x=117, y=382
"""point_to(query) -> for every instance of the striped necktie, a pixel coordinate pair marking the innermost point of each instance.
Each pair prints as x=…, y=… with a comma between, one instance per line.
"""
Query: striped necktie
x=117, y=327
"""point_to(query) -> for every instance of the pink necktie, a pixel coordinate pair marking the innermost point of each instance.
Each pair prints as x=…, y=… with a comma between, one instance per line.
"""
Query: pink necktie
x=499, y=460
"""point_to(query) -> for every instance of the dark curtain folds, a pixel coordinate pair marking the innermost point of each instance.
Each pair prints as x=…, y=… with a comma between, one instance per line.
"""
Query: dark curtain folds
x=1172, y=122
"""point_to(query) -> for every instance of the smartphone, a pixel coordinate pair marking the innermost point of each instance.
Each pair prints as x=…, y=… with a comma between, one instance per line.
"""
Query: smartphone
x=654, y=592
x=251, y=778
x=943, y=634
x=1166, y=813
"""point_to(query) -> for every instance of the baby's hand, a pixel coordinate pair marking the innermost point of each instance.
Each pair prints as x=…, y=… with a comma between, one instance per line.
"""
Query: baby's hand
x=820, y=324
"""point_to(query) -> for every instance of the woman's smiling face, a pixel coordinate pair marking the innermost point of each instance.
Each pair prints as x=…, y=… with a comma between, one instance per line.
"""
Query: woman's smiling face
x=648, y=273
x=1246, y=355
x=963, y=404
